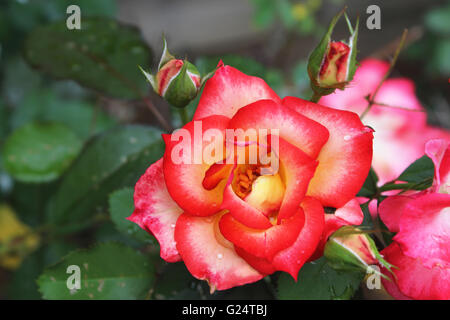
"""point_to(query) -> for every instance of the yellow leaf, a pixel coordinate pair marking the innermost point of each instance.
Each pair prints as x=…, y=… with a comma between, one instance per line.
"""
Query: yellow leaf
x=16, y=239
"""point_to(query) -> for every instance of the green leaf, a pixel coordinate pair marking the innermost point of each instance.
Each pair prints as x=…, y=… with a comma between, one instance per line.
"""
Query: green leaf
x=110, y=161
x=318, y=281
x=369, y=188
x=18, y=80
x=104, y=55
x=438, y=20
x=40, y=152
x=108, y=271
x=418, y=176
x=367, y=221
x=439, y=60
x=4, y=121
x=30, y=199
x=121, y=206
x=45, y=105
x=420, y=171
x=107, y=232
x=23, y=282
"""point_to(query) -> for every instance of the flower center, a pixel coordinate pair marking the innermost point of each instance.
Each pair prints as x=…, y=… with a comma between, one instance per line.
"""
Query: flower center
x=263, y=192
x=245, y=176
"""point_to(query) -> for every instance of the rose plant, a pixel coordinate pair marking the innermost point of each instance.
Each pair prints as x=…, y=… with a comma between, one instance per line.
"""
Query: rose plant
x=315, y=196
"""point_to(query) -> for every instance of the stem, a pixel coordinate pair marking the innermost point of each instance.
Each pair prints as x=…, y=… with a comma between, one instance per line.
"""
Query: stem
x=371, y=99
x=183, y=115
x=157, y=114
x=316, y=97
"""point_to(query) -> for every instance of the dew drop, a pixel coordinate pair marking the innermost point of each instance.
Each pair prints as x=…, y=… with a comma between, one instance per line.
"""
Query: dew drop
x=346, y=138
x=172, y=225
x=219, y=256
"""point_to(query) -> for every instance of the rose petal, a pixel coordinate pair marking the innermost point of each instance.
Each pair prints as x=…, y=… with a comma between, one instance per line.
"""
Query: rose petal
x=298, y=130
x=155, y=211
x=439, y=151
x=261, y=264
x=242, y=211
x=229, y=90
x=262, y=243
x=415, y=280
x=391, y=210
x=208, y=259
x=344, y=160
x=292, y=259
x=185, y=180
x=425, y=229
x=297, y=169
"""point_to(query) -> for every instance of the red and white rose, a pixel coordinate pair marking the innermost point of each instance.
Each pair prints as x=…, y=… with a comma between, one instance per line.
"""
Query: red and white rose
x=227, y=222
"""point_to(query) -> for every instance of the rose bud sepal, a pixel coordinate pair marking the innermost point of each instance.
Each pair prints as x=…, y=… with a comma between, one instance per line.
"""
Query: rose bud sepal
x=351, y=249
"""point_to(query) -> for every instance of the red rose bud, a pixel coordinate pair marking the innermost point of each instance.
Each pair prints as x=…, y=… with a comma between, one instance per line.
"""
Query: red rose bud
x=332, y=64
x=177, y=81
x=350, y=249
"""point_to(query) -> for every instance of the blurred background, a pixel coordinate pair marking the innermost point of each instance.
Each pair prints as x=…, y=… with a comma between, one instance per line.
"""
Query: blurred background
x=267, y=38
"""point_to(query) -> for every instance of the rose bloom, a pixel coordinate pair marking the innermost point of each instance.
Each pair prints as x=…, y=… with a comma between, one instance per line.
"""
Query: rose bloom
x=421, y=246
x=401, y=131
x=229, y=223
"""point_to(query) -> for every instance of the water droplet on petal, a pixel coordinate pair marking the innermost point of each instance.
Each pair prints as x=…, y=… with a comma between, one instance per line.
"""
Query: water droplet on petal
x=346, y=138
x=219, y=256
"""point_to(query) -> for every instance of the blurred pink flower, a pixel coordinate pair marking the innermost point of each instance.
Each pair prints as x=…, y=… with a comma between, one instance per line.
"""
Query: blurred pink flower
x=401, y=130
x=421, y=221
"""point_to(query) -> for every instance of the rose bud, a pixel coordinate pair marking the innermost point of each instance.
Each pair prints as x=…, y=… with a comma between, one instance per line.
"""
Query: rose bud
x=177, y=81
x=350, y=249
x=332, y=64
x=334, y=68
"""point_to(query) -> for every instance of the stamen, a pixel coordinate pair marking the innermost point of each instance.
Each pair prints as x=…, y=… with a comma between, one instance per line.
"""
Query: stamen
x=245, y=177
